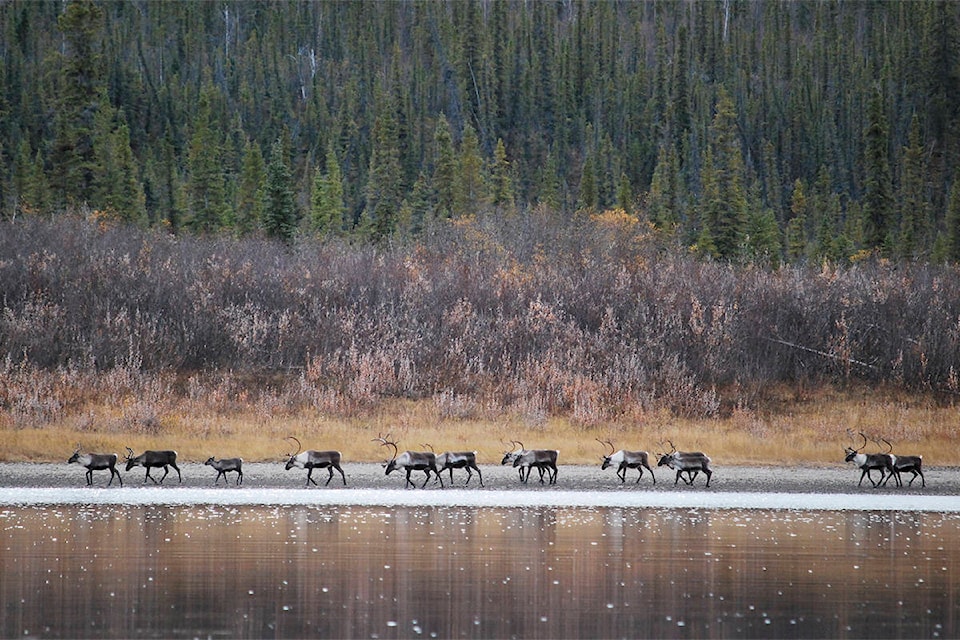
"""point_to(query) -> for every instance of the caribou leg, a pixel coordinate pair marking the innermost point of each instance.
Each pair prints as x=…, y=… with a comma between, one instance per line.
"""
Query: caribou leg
x=114, y=472
x=310, y=478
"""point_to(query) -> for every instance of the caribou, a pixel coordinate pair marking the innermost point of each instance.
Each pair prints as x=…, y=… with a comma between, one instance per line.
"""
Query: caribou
x=867, y=462
x=151, y=459
x=425, y=461
x=96, y=462
x=904, y=464
x=691, y=462
x=311, y=460
x=525, y=459
x=226, y=465
x=626, y=460
x=458, y=460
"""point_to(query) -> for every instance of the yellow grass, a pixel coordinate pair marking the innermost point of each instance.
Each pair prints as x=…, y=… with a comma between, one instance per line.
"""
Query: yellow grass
x=808, y=430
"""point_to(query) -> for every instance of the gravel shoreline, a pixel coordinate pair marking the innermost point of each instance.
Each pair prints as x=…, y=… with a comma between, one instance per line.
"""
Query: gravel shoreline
x=837, y=479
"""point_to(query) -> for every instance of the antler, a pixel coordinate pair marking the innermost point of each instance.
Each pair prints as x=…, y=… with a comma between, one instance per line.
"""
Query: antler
x=673, y=447
x=299, y=446
x=78, y=447
x=518, y=444
x=606, y=442
x=889, y=446
x=427, y=445
x=385, y=442
x=864, y=441
x=129, y=453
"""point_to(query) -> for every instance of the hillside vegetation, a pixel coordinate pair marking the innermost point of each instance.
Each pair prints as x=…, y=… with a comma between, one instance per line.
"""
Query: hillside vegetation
x=751, y=131
x=529, y=325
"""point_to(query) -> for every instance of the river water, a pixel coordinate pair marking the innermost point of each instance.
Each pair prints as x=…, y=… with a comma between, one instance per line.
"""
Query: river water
x=239, y=566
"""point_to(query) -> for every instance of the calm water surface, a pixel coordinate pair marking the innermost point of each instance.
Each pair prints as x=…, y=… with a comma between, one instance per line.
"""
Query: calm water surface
x=127, y=571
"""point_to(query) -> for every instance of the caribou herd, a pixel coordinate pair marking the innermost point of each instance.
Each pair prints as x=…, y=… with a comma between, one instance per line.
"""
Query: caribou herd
x=687, y=464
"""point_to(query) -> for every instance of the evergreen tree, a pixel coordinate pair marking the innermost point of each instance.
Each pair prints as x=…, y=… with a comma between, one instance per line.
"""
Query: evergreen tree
x=549, y=182
x=205, y=182
x=589, y=198
x=250, y=190
x=80, y=96
x=119, y=191
x=280, y=217
x=471, y=191
x=878, y=189
x=796, y=233
x=725, y=199
x=663, y=201
x=327, y=211
x=501, y=183
x=948, y=242
x=913, y=200
x=445, y=168
x=385, y=180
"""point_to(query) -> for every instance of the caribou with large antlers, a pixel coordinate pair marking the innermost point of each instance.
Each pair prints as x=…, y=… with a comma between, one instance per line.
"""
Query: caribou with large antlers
x=691, y=462
x=868, y=462
x=311, y=460
x=904, y=464
x=152, y=459
x=638, y=460
x=96, y=462
x=425, y=461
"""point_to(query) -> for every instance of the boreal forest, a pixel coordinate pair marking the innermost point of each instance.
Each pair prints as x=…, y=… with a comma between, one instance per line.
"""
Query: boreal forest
x=745, y=131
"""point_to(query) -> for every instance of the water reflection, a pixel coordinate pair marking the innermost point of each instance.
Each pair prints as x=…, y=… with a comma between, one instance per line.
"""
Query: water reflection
x=215, y=571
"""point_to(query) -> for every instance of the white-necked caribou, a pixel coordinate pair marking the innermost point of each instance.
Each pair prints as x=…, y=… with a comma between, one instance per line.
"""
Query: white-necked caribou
x=311, y=460
x=689, y=462
x=905, y=464
x=624, y=460
x=868, y=462
x=226, y=465
x=425, y=461
x=458, y=460
x=154, y=459
x=96, y=462
x=545, y=460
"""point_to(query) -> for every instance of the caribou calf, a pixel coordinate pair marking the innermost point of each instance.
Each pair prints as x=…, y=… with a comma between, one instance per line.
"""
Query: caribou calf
x=638, y=460
x=691, y=462
x=311, y=460
x=226, y=465
x=97, y=462
x=151, y=459
x=411, y=461
x=459, y=460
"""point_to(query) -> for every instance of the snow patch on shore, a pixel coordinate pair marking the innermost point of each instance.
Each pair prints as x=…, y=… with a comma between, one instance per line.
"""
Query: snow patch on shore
x=467, y=498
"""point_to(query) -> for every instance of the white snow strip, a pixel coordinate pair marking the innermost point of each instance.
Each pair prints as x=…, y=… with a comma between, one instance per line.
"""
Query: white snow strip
x=468, y=498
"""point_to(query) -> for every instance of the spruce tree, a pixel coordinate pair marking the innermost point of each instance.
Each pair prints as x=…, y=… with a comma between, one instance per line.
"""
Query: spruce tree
x=444, y=168
x=471, y=191
x=80, y=96
x=280, y=217
x=725, y=201
x=501, y=183
x=878, y=188
x=384, y=190
x=250, y=190
x=327, y=210
x=205, y=181
x=913, y=200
